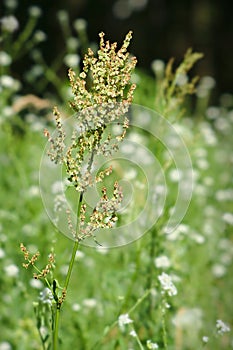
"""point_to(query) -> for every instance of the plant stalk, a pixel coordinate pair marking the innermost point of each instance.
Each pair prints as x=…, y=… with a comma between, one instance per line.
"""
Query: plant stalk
x=71, y=265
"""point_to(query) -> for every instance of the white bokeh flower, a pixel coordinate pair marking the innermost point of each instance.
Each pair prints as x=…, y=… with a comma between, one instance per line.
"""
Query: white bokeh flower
x=72, y=60
x=90, y=303
x=2, y=253
x=158, y=67
x=228, y=218
x=35, y=11
x=5, y=346
x=80, y=24
x=218, y=270
x=11, y=270
x=9, y=23
x=76, y=307
x=162, y=262
x=205, y=339
x=37, y=284
x=5, y=59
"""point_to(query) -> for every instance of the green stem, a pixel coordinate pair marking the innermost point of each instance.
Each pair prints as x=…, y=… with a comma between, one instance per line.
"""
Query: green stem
x=56, y=328
x=71, y=265
x=164, y=326
x=19, y=45
x=139, y=343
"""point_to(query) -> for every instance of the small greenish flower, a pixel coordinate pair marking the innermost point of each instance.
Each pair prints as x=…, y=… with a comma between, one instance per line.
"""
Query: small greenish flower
x=35, y=11
x=80, y=24
x=72, y=60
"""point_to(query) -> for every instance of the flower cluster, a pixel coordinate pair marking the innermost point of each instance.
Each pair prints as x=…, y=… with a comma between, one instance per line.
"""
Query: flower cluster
x=109, y=76
x=33, y=259
x=167, y=284
x=30, y=261
x=222, y=327
x=123, y=320
x=102, y=216
x=47, y=268
x=46, y=296
x=102, y=96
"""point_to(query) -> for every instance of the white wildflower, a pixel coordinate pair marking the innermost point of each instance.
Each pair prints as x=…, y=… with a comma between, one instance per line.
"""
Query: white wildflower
x=222, y=327
x=46, y=296
x=123, y=320
x=133, y=333
x=151, y=345
x=167, y=284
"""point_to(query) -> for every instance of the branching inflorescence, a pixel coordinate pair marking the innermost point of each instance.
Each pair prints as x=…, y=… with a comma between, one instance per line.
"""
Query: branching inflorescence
x=102, y=96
